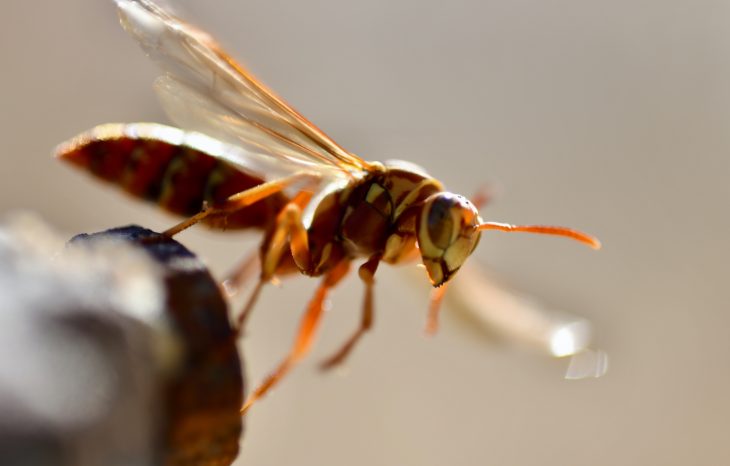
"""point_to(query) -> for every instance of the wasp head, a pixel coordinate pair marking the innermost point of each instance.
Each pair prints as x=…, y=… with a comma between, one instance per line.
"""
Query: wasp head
x=447, y=234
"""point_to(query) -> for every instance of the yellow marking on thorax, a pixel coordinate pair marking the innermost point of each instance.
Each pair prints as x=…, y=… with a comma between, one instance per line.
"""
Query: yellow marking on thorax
x=414, y=193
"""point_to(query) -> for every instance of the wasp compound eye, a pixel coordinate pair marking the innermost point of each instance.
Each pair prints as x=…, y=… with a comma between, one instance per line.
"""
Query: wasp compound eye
x=440, y=222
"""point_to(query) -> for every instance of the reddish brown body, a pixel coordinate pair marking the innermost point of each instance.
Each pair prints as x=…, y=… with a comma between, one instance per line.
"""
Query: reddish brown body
x=354, y=221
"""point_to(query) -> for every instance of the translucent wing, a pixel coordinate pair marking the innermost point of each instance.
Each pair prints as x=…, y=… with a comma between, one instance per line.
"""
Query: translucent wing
x=267, y=153
x=485, y=304
x=206, y=90
x=475, y=294
x=520, y=320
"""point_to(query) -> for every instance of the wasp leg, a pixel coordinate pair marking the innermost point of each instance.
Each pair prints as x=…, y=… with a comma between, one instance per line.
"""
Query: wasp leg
x=289, y=234
x=432, y=321
x=243, y=272
x=288, y=230
x=244, y=199
x=483, y=196
x=367, y=274
x=305, y=335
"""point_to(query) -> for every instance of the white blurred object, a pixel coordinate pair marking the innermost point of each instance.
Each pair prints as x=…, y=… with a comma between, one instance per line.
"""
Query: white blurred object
x=586, y=364
x=567, y=337
x=521, y=320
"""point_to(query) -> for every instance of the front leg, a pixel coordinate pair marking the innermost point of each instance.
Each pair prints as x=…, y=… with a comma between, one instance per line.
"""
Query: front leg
x=432, y=321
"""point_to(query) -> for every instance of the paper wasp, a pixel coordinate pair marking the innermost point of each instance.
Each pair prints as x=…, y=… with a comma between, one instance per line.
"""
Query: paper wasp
x=262, y=165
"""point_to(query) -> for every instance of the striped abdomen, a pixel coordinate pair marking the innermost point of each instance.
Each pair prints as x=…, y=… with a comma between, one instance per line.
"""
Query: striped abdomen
x=169, y=167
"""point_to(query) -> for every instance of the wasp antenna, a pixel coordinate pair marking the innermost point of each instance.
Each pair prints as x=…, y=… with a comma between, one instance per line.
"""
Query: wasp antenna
x=544, y=230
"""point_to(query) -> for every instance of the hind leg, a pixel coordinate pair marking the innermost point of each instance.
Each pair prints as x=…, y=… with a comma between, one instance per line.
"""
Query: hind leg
x=245, y=199
x=241, y=274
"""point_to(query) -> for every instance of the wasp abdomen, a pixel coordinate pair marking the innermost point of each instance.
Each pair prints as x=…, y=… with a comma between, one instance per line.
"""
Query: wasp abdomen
x=180, y=178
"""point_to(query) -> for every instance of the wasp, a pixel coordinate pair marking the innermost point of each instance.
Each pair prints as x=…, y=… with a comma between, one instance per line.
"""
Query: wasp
x=248, y=160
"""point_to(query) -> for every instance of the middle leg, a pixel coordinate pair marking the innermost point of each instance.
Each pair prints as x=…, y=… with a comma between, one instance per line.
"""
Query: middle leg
x=289, y=232
x=367, y=274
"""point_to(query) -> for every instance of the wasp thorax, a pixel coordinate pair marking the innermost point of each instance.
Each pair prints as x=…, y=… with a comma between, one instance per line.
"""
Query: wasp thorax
x=447, y=234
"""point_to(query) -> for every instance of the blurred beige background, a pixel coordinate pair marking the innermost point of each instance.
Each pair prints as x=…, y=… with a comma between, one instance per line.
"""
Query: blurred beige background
x=612, y=117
